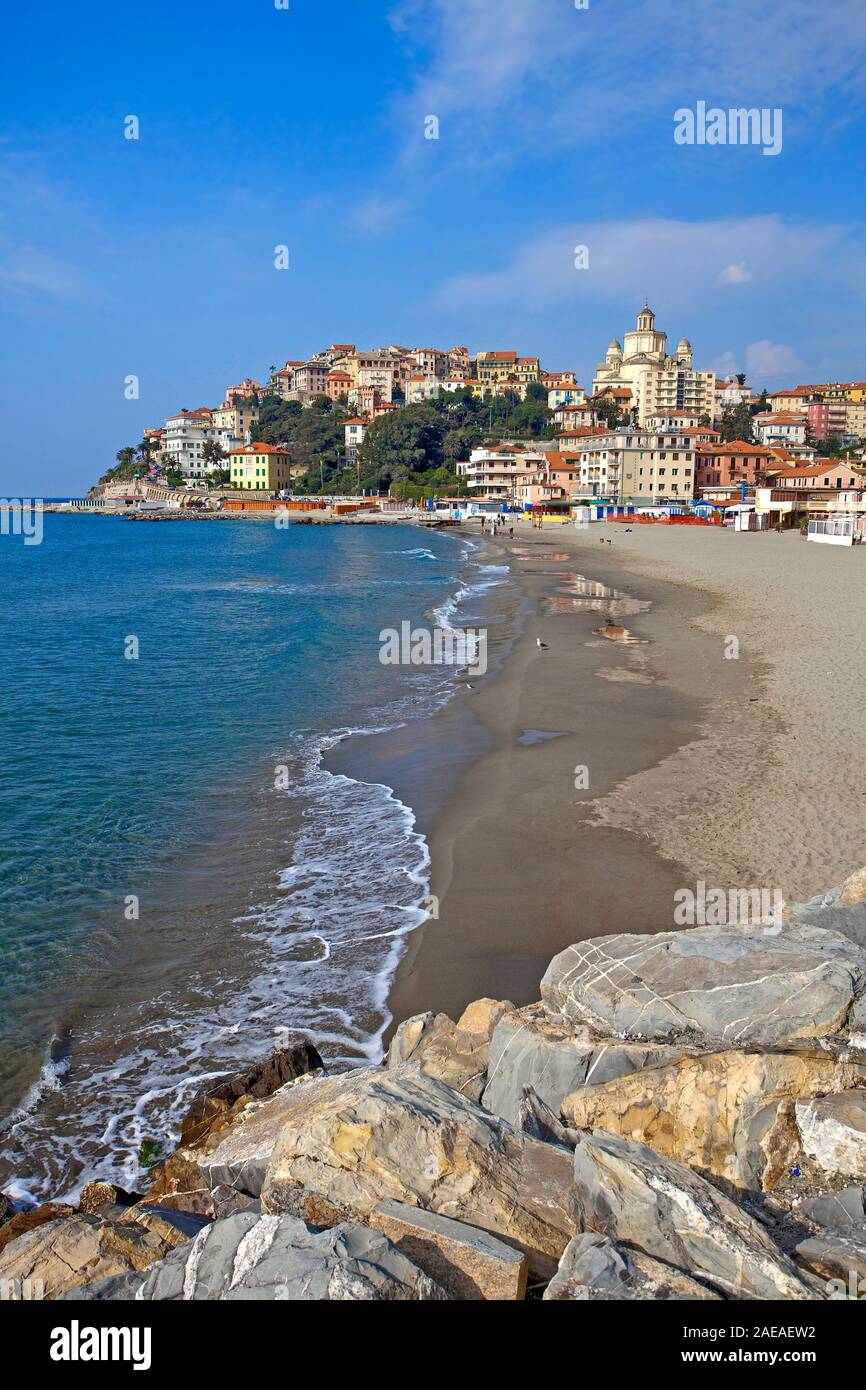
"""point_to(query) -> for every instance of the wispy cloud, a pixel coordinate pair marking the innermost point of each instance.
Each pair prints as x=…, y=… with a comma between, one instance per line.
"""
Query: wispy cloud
x=377, y=215
x=27, y=271
x=676, y=261
x=598, y=70
x=771, y=362
x=735, y=275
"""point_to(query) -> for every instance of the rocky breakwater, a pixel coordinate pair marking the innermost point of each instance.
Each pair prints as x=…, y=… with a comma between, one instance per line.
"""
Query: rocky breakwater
x=681, y=1116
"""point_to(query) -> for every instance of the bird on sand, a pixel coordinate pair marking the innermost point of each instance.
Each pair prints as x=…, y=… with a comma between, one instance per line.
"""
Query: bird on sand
x=541, y=645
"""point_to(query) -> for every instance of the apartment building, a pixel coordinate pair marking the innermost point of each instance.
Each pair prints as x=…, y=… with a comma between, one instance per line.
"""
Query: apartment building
x=556, y=481
x=781, y=427
x=237, y=420
x=496, y=472
x=185, y=437
x=432, y=362
x=731, y=465
x=676, y=387
x=260, y=468
x=643, y=465
x=354, y=433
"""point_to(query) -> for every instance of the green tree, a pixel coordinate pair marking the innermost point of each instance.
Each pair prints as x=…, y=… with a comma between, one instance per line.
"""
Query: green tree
x=213, y=453
x=735, y=423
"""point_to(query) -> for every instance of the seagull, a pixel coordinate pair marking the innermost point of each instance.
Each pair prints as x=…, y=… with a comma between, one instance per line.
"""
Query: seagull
x=469, y=687
x=541, y=645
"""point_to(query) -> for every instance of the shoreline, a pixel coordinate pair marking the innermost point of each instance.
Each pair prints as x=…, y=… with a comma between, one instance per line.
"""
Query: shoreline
x=684, y=749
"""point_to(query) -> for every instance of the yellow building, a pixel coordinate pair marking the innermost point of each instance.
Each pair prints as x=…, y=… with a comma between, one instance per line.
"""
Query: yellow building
x=260, y=468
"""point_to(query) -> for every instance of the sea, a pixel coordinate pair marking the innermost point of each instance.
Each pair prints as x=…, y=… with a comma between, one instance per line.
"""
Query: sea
x=183, y=883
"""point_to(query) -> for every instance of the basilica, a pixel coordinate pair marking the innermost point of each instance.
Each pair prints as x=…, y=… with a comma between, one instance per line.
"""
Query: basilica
x=655, y=378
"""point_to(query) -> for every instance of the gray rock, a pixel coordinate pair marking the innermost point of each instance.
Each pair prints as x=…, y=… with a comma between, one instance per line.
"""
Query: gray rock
x=373, y=1136
x=67, y=1253
x=456, y=1053
x=834, y=1257
x=530, y=1049
x=833, y=1131
x=219, y=1102
x=828, y=912
x=278, y=1258
x=234, y=1164
x=660, y=1206
x=731, y=986
x=838, y=1211
x=468, y=1263
x=593, y=1268
x=537, y=1121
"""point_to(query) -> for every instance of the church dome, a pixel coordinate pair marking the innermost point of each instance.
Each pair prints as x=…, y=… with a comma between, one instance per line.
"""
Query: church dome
x=684, y=348
x=614, y=349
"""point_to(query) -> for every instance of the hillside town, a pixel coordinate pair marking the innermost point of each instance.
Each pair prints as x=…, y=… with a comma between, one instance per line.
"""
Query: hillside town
x=478, y=433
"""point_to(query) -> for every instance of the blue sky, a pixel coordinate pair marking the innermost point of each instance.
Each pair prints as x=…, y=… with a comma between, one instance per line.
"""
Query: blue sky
x=306, y=127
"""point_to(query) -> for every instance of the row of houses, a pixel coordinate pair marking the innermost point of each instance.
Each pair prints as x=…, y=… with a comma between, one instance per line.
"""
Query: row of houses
x=674, y=459
x=663, y=394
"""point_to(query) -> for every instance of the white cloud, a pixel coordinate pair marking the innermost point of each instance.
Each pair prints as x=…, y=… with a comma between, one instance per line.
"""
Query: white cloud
x=735, y=275
x=769, y=363
x=599, y=70
x=671, y=261
x=377, y=215
x=26, y=271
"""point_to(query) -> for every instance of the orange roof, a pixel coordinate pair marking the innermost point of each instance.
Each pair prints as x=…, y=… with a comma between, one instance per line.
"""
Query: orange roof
x=735, y=446
x=815, y=470
x=260, y=448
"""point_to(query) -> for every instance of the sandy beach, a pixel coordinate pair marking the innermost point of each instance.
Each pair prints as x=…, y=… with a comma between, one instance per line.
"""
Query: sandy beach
x=615, y=771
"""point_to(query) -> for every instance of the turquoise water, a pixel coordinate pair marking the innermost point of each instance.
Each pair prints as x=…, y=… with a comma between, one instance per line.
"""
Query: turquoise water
x=180, y=879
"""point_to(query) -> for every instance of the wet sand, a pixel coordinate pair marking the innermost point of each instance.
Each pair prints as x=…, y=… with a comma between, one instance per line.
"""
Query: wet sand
x=519, y=866
x=698, y=766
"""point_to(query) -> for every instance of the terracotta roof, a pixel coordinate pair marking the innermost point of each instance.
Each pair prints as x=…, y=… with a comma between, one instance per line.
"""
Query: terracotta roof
x=260, y=448
x=734, y=446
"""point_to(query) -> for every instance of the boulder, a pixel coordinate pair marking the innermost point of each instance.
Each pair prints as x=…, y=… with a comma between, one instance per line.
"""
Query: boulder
x=593, y=1268
x=7, y=1209
x=635, y=1196
x=834, y=1256
x=530, y=1049
x=97, y=1194
x=482, y=1016
x=370, y=1136
x=748, y=986
x=174, y=1227
x=468, y=1263
x=24, y=1221
x=853, y=889
x=179, y=1183
x=224, y=1171
x=456, y=1053
x=77, y=1250
x=218, y=1104
x=843, y=1211
x=251, y=1257
x=729, y=1114
x=833, y=1131
x=537, y=1121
